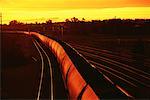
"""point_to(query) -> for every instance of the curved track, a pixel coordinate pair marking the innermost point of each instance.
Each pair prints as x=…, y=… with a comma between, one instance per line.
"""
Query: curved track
x=37, y=45
x=122, y=70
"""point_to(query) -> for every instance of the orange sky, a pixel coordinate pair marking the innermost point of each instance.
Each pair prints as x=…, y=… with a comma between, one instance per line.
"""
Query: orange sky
x=59, y=10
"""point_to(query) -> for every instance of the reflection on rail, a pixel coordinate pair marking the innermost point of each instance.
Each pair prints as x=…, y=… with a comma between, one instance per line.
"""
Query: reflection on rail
x=82, y=81
x=120, y=69
x=77, y=87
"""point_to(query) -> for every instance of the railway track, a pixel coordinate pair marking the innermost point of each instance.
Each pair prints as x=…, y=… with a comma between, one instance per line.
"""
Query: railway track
x=120, y=69
x=42, y=53
x=117, y=76
x=52, y=86
x=113, y=55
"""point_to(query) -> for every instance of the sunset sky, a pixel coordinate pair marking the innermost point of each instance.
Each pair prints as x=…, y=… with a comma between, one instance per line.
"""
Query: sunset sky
x=59, y=10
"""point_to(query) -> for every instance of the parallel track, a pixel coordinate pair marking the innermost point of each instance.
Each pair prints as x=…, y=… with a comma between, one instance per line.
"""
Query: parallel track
x=37, y=45
x=120, y=68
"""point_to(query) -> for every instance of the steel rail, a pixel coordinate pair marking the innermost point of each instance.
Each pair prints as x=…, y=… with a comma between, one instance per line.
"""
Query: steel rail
x=108, y=52
x=120, y=72
x=41, y=78
x=51, y=72
x=116, y=63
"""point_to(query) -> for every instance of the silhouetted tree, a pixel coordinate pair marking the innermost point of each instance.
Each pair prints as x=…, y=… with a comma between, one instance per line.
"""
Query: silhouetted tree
x=49, y=21
x=14, y=22
x=83, y=19
x=67, y=20
x=36, y=23
x=74, y=19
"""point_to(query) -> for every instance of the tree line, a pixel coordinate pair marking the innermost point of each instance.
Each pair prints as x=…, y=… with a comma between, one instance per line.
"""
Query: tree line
x=74, y=26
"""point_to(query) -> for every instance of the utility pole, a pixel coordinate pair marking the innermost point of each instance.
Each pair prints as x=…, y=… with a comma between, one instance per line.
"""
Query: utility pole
x=1, y=21
x=62, y=31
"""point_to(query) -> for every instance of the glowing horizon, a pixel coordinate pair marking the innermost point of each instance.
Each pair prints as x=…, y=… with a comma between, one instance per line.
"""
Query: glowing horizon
x=30, y=11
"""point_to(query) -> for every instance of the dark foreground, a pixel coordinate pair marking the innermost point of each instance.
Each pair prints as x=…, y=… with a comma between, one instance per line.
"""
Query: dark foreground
x=21, y=69
x=125, y=60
